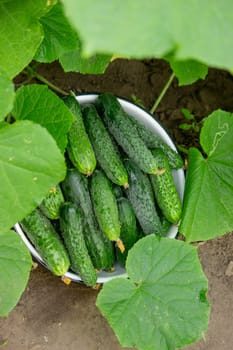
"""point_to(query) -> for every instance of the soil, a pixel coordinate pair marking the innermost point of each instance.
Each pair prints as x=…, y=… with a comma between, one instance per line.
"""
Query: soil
x=51, y=315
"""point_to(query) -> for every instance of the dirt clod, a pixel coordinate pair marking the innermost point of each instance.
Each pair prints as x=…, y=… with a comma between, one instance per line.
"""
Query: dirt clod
x=229, y=269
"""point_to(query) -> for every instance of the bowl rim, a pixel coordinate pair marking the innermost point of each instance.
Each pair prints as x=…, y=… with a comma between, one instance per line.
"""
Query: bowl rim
x=150, y=120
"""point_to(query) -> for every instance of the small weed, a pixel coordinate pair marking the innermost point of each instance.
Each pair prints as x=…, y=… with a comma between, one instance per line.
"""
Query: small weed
x=192, y=124
x=137, y=101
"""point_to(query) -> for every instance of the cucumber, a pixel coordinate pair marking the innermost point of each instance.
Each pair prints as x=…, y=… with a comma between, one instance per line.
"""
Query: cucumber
x=105, y=205
x=154, y=141
x=72, y=232
x=75, y=189
x=140, y=233
x=164, y=189
x=165, y=225
x=128, y=223
x=41, y=233
x=79, y=148
x=117, y=190
x=51, y=204
x=140, y=194
x=125, y=132
x=105, y=152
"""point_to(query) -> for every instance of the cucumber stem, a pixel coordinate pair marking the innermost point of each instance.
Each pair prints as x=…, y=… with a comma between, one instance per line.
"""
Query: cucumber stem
x=182, y=149
x=160, y=172
x=88, y=173
x=126, y=185
x=163, y=92
x=39, y=77
x=66, y=280
x=120, y=245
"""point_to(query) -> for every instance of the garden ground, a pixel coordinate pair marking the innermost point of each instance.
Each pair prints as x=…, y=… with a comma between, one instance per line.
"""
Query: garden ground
x=53, y=316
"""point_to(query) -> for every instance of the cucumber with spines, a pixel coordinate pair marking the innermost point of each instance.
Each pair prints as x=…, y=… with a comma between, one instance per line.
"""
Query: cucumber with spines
x=140, y=194
x=51, y=204
x=47, y=242
x=79, y=147
x=164, y=189
x=154, y=141
x=125, y=132
x=71, y=225
x=165, y=225
x=105, y=151
x=76, y=189
x=117, y=190
x=129, y=232
x=105, y=206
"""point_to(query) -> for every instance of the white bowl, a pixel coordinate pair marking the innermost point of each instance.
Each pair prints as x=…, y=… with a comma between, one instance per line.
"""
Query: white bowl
x=149, y=121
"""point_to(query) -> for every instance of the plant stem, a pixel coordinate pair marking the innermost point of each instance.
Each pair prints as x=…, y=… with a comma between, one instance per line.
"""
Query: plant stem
x=36, y=75
x=182, y=149
x=163, y=92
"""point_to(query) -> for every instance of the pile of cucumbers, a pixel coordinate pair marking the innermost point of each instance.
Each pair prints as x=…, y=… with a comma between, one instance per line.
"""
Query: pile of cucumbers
x=118, y=188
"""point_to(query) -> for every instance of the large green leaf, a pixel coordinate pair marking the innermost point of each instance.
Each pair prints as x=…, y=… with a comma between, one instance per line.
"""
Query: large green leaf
x=15, y=265
x=3, y=124
x=61, y=42
x=59, y=36
x=73, y=61
x=20, y=33
x=30, y=164
x=6, y=95
x=208, y=199
x=193, y=29
x=162, y=305
x=38, y=103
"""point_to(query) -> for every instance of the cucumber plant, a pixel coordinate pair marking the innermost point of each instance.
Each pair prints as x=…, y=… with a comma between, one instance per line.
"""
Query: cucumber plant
x=34, y=123
x=191, y=124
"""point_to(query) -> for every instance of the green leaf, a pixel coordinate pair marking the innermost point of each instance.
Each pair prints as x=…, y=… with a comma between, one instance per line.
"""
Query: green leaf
x=145, y=29
x=20, y=33
x=61, y=41
x=59, y=36
x=73, y=61
x=15, y=265
x=7, y=95
x=30, y=164
x=39, y=104
x=162, y=305
x=208, y=198
x=185, y=126
x=187, y=114
x=3, y=124
x=188, y=71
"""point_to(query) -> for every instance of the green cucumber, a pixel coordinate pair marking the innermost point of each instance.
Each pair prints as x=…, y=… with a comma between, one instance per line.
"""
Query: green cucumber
x=117, y=190
x=105, y=205
x=164, y=188
x=165, y=225
x=105, y=152
x=72, y=232
x=140, y=194
x=154, y=141
x=125, y=132
x=79, y=147
x=128, y=223
x=75, y=189
x=47, y=242
x=51, y=204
